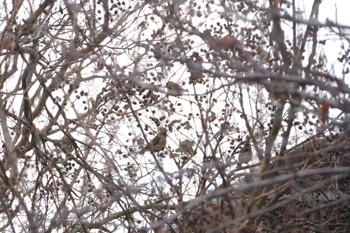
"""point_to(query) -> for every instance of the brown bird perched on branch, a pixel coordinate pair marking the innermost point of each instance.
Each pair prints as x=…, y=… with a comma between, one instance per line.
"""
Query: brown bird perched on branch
x=228, y=42
x=157, y=143
x=195, y=68
x=245, y=154
x=324, y=111
x=67, y=144
x=174, y=88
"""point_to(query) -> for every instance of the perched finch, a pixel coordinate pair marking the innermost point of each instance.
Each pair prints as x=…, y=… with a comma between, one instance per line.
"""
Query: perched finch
x=231, y=43
x=196, y=70
x=67, y=144
x=186, y=147
x=245, y=154
x=157, y=143
x=174, y=88
x=277, y=3
x=324, y=111
x=227, y=42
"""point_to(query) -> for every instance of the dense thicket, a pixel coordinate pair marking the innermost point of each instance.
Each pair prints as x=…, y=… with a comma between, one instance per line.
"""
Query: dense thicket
x=172, y=116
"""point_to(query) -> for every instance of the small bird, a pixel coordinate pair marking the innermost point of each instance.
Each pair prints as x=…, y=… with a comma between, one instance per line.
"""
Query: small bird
x=174, y=88
x=324, y=111
x=67, y=144
x=227, y=42
x=245, y=154
x=196, y=69
x=231, y=43
x=157, y=143
x=186, y=147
